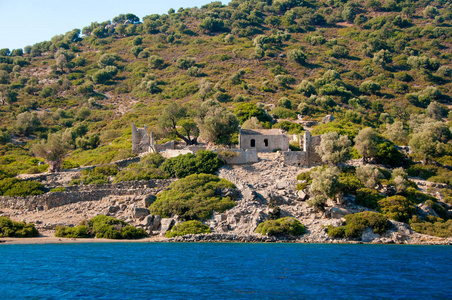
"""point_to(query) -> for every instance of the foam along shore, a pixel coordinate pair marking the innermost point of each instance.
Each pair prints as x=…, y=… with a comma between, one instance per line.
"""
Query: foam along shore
x=57, y=240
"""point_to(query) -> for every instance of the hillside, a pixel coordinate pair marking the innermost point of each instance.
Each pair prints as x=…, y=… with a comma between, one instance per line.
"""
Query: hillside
x=195, y=74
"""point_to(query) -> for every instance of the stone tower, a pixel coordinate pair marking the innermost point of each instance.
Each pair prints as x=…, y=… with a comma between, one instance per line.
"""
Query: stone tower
x=141, y=142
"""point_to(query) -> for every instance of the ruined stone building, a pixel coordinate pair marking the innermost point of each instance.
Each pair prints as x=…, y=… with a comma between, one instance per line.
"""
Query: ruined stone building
x=141, y=142
x=263, y=140
x=269, y=140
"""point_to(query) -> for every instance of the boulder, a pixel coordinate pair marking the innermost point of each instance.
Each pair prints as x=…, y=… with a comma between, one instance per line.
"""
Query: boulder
x=248, y=194
x=147, y=221
x=166, y=224
x=400, y=227
x=328, y=118
x=368, y=235
x=302, y=195
x=276, y=199
x=423, y=210
x=139, y=213
x=148, y=200
x=337, y=212
x=232, y=193
x=282, y=185
x=156, y=223
x=220, y=217
x=113, y=209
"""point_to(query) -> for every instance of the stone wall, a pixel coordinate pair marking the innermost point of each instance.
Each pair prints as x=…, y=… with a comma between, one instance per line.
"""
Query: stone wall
x=74, y=194
x=306, y=158
x=242, y=157
x=263, y=140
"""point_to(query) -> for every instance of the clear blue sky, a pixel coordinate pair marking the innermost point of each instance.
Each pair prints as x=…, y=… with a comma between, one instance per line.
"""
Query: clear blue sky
x=26, y=22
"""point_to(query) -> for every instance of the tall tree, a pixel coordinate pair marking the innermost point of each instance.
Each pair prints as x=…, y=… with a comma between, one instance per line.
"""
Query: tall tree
x=174, y=115
x=366, y=142
x=334, y=148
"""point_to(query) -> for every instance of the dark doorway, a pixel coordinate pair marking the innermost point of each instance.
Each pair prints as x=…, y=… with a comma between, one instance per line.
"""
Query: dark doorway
x=266, y=143
x=253, y=143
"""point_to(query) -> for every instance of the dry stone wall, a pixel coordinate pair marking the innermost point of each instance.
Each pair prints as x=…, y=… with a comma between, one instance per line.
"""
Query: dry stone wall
x=74, y=194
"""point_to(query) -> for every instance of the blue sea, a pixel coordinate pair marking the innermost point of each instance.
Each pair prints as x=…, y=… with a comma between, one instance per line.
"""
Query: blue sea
x=224, y=271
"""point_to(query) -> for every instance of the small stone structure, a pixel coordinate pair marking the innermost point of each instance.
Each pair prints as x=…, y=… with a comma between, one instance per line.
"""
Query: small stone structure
x=241, y=157
x=306, y=158
x=263, y=140
x=141, y=142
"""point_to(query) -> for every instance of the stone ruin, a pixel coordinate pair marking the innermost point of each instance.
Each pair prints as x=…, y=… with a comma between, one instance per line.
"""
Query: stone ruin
x=251, y=141
x=141, y=141
x=270, y=140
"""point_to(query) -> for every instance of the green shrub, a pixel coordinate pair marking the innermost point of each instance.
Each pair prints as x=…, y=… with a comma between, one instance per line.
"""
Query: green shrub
x=283, y=113
x=389, y=155
x=188, y=227
x=305, y=176
x=17, y=187
x=81, y=231
x=102, y=227
x=438, y=227
x=424, y=172
x=397, y=208
x=356, y=223
x=58, y=189
x=10, y=228
x=349, y=183
x=415, y=196
x=147, y=168
x=203, y=161
x=282, y=226
x=194, y=197
x=368, y=198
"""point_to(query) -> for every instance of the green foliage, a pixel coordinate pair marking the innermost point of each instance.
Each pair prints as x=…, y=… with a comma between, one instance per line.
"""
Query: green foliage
x=183, y=165
x=356, y=223
x=349, y=183
x=438, y=227
x=284, y=113
x=397, y=208
x=102, y=227
x=245, y=111
x=368, y=198
x=282, y=226
x=147, y=168
x=98, y=175
x=58, y=189
x=17, y=187
x=290, y=127
x=194, y=197
x=10, y=228
x=81, y=231
x=188, y=227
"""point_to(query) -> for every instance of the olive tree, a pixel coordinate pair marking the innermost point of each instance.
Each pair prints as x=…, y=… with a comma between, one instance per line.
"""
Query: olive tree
x=174, y=119
x=54, y=148
x=334, y=148
x=366, y=142
x=325, y=185
x=216, y=124
x=369, y=176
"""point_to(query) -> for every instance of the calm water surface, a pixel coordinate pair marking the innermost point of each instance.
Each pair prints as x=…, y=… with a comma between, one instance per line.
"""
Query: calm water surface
x=225, y=271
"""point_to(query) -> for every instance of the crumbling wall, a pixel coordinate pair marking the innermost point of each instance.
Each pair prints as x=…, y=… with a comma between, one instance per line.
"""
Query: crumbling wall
x=241, y=157
x=74, y=194
x=141, y=142
x=306, y=158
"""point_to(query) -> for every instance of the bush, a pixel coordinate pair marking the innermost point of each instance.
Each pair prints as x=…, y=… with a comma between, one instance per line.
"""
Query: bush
x=368, y=198
x=81, y=231
x=146, y=169
x=282, y=226
x=194, y=197
x=356, y=223
x=349, y=183
x=283, y=113
x=439, y=228
x=389, y=155
x=17, y=187
x=58, y=189
x=397, y=208
x=10, y=228
x=102, y=227
x=203, y=161
x=189, y=227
